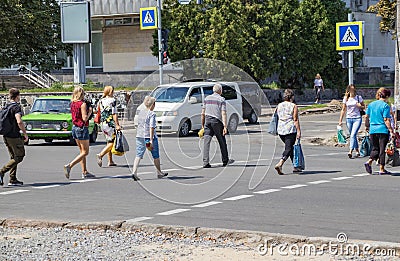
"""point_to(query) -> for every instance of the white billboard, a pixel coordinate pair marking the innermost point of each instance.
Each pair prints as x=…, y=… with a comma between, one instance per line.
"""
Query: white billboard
x=75, y=22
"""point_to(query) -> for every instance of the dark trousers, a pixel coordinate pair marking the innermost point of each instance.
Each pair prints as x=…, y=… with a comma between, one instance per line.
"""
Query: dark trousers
x=16, y=150
x=318, y=92
x=213, y=127
x=289, y=141
x=379, y=142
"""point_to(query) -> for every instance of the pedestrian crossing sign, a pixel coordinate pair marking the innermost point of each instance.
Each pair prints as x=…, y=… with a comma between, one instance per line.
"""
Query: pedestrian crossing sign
x=349, y=36
x=148, y=18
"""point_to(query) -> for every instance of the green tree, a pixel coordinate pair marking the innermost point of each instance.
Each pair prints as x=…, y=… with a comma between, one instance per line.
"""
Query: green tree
x=387, y=10
x=30, y=33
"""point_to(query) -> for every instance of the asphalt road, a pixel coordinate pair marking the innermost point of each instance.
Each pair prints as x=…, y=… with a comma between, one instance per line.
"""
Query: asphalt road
x=333, y=195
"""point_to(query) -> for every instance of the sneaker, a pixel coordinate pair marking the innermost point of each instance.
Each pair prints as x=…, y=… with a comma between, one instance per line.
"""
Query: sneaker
x=99, y=160
x=160, y=175
x=230, y=161
x=88, y=175
x=67, y=170
x=135, y=177
x=368, y=167
x=297, y=170
x=1, y=179
x=207, y=166
x=15, y=183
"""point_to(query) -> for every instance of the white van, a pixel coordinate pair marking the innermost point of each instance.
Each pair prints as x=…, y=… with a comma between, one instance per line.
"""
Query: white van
x=178, y=106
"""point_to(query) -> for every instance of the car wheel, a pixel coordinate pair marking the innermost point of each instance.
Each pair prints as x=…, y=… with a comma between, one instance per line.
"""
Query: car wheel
x=72, y=141
x=184, y=128
x=48, y=140
x=233, y=123
x=93, y=136
x=253, y=117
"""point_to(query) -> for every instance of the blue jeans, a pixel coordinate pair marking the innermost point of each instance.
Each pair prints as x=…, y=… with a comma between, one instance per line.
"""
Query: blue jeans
x=353, y=125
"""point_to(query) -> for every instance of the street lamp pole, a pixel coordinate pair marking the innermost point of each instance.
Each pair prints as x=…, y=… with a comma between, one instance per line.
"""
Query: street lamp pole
x=160, y=47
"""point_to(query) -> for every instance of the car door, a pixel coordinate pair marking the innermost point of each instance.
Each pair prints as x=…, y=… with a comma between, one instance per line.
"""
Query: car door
x=195, y=107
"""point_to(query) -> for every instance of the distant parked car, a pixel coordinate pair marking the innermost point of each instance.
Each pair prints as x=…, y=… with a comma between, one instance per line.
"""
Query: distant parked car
x=50, y=119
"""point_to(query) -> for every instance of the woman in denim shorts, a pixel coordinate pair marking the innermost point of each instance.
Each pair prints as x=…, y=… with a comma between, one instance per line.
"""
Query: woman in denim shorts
x=80, y=132
x=146, y=137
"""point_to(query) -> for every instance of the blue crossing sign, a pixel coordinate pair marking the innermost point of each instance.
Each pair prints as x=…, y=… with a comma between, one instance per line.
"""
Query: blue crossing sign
x=148, y=18
x=349, y=36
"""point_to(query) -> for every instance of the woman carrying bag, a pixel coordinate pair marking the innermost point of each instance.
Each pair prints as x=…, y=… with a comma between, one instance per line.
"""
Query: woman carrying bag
x=109, y=123
x=353, y=106
x=288, y=128
x=80, y=132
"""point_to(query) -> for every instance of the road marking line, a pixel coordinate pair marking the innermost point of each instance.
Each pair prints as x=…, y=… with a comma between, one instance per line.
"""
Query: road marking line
x=319, y=182
x=238, y=197
x=342, y=178
x=267, y=191
x=327, y=154
x=294, y=186
x=82, y=180
x=46, y=187
x=361, y=175
x=139, y=219
x=171, y=212
x=207, y=204
x=13, y=191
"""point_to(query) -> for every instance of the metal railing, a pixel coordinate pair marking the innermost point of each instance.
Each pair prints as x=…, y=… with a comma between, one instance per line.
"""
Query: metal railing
x=42, y=80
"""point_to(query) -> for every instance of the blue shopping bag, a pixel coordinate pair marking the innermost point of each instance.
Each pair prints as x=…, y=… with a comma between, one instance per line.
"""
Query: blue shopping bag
x=273, y=125
x=366, y=147
x=298, y=156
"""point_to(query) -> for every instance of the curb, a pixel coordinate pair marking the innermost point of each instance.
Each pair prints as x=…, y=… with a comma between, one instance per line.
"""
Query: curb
x=251, y=238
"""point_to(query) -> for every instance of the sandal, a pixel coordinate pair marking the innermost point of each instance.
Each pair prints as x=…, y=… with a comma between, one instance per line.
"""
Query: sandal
x=368, y=167
x=350, y=155
x=358, y=155
x=385, y=172
x=279, y=170
x=112, y=164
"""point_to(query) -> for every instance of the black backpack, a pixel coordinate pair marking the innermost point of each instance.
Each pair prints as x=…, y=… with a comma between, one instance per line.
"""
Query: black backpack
x=5, y=121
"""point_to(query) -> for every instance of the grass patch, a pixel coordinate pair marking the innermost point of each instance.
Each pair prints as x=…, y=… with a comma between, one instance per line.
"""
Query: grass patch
x=313, y=106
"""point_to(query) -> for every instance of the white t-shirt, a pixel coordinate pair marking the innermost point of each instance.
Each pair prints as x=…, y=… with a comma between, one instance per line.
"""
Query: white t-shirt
x=352, y=110
x=318, y=82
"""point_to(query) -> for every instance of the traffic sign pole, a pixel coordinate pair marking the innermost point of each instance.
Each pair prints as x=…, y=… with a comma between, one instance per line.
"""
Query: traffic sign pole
x=160, y=61
x=351, y=56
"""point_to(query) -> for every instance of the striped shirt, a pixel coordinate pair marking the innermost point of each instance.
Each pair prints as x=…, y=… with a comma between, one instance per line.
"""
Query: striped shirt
x=214, y=105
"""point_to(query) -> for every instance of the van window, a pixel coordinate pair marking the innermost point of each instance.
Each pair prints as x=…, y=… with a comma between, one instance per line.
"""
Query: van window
x=196, y=92
x=170, y=94
x=228, y=92
x=208, y=90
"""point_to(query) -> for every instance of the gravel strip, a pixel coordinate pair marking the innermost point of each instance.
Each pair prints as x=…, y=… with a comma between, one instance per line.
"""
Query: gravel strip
x=88, y=244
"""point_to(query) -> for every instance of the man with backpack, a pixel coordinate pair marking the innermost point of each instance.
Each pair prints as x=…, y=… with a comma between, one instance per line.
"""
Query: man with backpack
x=10, y=126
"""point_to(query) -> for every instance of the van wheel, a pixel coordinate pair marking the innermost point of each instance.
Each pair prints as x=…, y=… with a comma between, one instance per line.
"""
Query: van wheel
x=184, y=128
x=233, y=123
x=253, y=117
x=93, y=136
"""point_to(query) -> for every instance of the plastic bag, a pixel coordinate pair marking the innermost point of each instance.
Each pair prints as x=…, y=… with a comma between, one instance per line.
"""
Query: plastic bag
x=120, y=144
x=298, y=156
x=365, y=148
x=340, y=136
x=201, y=133
x=273, y=125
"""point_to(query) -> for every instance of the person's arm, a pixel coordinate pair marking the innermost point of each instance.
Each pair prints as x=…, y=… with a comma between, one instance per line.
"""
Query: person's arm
x=296, y=121
x=225, y=131
x=85, y=113
x=21, y=126
x=342, y=112
x=389, y=126
x=115, y=118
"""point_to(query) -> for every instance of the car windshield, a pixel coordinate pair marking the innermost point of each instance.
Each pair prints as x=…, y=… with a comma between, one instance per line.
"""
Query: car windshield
x=51, y=105
x=170, y=94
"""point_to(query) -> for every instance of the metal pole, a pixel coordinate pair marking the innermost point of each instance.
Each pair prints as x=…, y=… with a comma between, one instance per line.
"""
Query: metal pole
x=79, y=63
x=351, y=55
x=160, y=48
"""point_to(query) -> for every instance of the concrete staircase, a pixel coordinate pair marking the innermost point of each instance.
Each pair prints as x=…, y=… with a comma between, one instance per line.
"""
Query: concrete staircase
x=15, y=81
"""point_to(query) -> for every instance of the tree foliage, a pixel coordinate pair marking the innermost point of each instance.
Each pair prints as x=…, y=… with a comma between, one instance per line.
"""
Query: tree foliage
x=30, y=33
x=289, y=38
x=387, y=10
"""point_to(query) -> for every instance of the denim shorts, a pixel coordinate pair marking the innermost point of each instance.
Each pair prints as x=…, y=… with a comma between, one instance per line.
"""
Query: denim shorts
x=80, y=133
x=141, y=147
